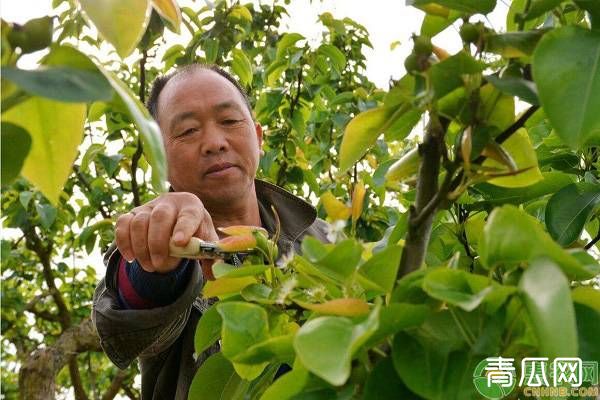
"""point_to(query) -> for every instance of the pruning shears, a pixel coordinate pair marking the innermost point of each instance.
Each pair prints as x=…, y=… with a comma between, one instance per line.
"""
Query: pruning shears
x=198, y=248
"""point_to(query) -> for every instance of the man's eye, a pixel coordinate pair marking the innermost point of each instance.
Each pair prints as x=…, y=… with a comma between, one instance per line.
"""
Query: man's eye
x=231, y=121
x=187, y=132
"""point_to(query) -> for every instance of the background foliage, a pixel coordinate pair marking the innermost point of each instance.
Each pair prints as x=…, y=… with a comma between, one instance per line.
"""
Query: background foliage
x=499, y=201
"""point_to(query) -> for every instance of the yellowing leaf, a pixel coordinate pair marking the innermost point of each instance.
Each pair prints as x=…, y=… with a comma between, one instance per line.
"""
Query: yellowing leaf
x=358, y=199
x=341, y=307
x=224, y=286
x=237, y=230
x=242, y=66
x=405, y=167
x=121, y=22
x=56, y=130
x=334, y=208
x=237, y=243
x=154, y=150
x=169, y=10
x=522, y=152
x=360, y=134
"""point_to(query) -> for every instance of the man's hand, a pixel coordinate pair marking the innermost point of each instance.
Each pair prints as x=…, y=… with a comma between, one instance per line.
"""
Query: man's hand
x=144, y=233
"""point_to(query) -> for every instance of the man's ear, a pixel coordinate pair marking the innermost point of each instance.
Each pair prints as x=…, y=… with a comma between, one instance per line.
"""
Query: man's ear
x=259, y=134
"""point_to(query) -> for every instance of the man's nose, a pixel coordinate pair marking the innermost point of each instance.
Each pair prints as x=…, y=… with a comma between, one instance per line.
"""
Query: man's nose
x=214, y=142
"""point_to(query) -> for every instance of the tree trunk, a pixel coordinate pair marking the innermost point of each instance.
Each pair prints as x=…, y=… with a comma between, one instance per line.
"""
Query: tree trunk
x=38, y=373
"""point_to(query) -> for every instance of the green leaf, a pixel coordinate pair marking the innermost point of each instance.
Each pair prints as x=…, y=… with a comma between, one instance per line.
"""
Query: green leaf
x=244, y=325
x=286, y=41
x=361, y=133
x=337, y=58
x=454, y=381
x=342, y=260
x=326, y=345
x=566, y=69
x=313, y=249
x=513, y=44
x=208, y=330
x=593, y=8
x=434, y=24
x=547, y=298
x=382, y=267
x=447, y=75
x=235, y=272
x=511, y=236
x=523, y=89
x=402, y=92
x=403, y=125
x=395, y=317
x=516, y=8
x=277, y=348
x=56, y=131
x=496, y=108
x=383, y=383
x=457, y=287
x=120, y=22
x=242, y=67
x=288, y=385
x=61, y=83
x=539, y=7
x=468, y=6
x=551, y=183
x=16, y=143
x=587, y=296
x=24, y=198
x=226, y=286
x=519, y=147
x=568, y=210
x=588, y=331
x=211, y=50
x=148, y=129
x=217, y=377
x=47, y=214
x=34, y=35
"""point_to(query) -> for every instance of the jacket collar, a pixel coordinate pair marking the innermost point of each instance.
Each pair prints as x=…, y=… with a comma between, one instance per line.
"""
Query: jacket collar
x=295, y=214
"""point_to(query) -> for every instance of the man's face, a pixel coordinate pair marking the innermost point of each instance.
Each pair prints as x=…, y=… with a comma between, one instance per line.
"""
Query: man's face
x=211, y=141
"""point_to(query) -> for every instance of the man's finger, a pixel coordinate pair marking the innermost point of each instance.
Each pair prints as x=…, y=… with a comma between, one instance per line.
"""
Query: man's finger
x=122, y=236
x=188, y=221
x=139, y=240
x=162, y=220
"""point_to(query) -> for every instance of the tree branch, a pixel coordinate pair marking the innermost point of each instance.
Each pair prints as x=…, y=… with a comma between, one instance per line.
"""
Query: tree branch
x=593, y=241
x=421, y=213
x=34, y=243
x=76, y=379
x=135, y=159
x=519, y=123
x=115, y=385
x=131, y=393
x=38, y=373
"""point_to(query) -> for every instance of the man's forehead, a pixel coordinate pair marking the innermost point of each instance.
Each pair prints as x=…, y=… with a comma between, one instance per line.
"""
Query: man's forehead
x=200, y=82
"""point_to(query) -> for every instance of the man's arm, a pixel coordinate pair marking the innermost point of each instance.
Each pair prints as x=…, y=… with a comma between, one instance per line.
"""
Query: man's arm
x=127, y=333
x=145, y=311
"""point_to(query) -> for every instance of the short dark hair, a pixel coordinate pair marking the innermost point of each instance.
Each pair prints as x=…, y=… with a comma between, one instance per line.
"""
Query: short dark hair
x=160, y=82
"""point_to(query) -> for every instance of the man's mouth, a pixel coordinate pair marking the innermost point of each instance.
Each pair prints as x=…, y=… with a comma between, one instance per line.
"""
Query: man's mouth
x=215, y=168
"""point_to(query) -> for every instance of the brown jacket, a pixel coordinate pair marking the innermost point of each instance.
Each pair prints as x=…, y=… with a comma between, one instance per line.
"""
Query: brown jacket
x=163, y=338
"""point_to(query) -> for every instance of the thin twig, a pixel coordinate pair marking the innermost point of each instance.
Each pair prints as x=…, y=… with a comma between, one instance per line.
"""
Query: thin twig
x=593, y=241
x=88, y=187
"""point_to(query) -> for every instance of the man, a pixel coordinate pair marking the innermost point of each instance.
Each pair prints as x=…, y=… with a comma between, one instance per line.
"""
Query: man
x=149, y=303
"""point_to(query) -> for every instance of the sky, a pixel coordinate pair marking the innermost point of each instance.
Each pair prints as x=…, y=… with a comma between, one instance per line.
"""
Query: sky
x=387, y=21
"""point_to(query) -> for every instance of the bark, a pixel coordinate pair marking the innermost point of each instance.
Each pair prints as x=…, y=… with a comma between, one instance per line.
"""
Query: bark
x=115, y=385
x=38, y=373
x=422, y=213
